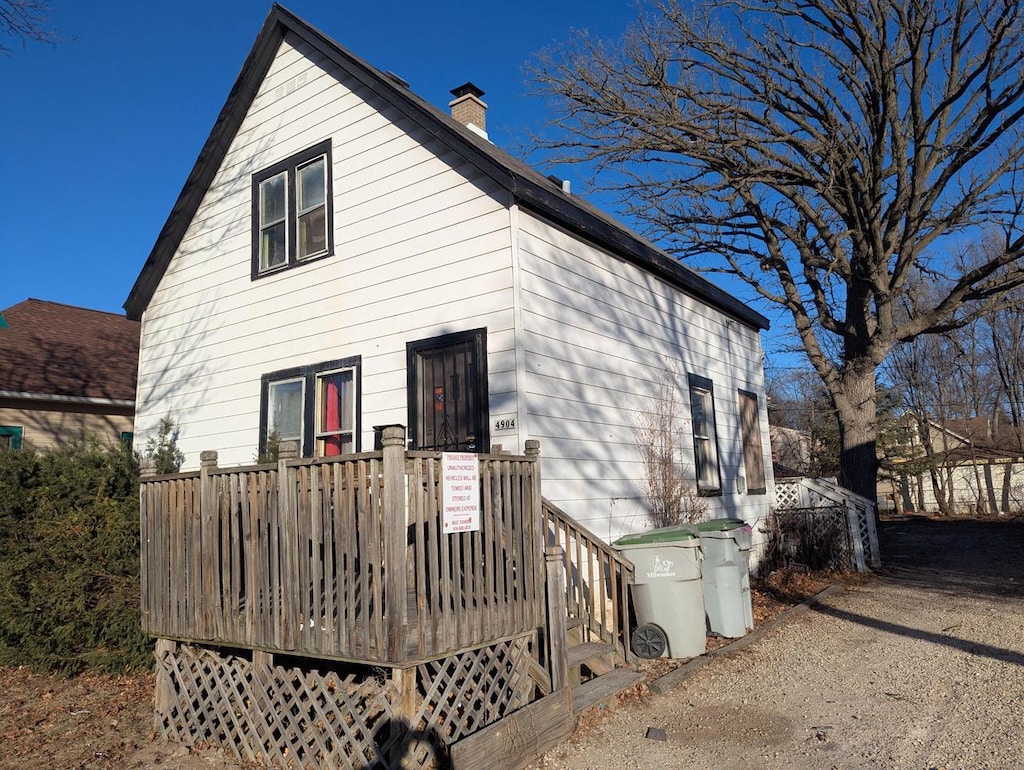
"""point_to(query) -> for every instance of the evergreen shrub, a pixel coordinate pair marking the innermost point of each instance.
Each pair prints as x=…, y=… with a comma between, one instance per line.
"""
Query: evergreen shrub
x=69, y=560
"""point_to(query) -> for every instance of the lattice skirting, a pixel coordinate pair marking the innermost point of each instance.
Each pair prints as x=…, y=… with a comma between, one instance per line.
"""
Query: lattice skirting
x=322, y=714
x=818, y=538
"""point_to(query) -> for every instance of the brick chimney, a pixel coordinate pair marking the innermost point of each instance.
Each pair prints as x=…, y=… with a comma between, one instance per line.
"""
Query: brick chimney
x=469, y=109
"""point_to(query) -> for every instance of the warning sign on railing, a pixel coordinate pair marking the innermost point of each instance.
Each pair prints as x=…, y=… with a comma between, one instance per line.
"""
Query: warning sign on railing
x=460, y=485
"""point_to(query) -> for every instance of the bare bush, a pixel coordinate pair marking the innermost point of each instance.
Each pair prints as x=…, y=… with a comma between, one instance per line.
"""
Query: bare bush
x=660, y=434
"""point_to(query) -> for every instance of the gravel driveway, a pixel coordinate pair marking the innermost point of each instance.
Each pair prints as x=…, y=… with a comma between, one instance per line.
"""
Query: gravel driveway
x=922, y=667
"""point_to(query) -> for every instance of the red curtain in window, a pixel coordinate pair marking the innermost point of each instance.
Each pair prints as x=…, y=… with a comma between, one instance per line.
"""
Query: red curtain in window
x=332, y=418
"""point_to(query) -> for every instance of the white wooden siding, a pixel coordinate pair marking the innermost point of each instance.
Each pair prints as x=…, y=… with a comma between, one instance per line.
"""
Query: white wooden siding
x=595, y=332
x=421, y=248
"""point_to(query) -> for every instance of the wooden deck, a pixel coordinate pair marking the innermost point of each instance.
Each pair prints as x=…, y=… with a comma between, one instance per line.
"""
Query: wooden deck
x=342, y=558
x=278, y=591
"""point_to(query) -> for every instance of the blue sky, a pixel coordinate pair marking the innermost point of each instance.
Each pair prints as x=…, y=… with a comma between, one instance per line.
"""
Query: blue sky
x=100, y=131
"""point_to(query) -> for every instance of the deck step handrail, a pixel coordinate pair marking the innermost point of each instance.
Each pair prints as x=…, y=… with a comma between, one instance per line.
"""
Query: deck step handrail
x=597, y=579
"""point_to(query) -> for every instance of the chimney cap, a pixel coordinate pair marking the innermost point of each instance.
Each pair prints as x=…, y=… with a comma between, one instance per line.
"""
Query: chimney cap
x=467, y=89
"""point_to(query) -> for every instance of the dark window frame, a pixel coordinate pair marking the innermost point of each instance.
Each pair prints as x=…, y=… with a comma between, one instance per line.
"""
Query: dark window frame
x=309, y=374
x=290, y=165
x=763, y=488
x=699, y=383
x=479, y=338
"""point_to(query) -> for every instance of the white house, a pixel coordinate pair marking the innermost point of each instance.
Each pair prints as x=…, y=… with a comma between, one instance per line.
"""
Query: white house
x=345, y=255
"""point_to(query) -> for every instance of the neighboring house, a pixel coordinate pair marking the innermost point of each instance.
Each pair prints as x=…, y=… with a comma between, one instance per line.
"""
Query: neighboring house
x=791, y=449
x=957, y=465
x=344, y=255
x=66, y=374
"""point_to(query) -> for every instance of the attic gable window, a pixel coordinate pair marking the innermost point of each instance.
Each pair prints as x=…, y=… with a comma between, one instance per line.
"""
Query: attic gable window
x=292, y=214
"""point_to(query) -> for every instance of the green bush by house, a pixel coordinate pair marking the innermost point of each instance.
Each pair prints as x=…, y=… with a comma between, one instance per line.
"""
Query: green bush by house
x=69, y=560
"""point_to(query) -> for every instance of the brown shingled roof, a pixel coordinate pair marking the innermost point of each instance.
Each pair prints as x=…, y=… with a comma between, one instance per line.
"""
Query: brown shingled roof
x=61, y=350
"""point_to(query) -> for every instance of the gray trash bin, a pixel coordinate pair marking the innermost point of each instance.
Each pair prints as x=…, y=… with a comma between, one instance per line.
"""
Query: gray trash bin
x=726, y=576
x=667, y=595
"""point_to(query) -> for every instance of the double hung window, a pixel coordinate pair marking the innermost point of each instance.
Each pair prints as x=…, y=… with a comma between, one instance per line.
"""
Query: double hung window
x=315, y=406
x=292, y=211
x=705, y=438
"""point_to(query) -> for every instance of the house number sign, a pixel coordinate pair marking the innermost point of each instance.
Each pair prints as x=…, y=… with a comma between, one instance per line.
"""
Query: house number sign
x=505, y=423
x=460, y=492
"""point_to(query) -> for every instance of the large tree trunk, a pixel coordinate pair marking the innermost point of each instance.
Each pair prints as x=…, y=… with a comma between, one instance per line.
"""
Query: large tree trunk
x=858, y=431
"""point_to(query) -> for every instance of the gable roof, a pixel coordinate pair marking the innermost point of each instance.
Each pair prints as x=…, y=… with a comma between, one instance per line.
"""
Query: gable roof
x=62, y=352
x=529, y=188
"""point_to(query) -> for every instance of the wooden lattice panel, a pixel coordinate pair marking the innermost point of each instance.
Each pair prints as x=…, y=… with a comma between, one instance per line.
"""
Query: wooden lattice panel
x=815, y=537
x=787, y=494
x=349, y=717
x=287, y=717
x=466, y=692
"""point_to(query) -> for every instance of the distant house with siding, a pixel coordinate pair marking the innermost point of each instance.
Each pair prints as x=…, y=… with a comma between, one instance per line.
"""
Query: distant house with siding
x=960, y=462
x=344, y=255
x=66, y=374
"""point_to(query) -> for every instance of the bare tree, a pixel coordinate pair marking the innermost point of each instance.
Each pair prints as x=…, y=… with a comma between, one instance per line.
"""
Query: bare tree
x=822, y=151
x=924, y=370
x=1005, y=352
x=25, y=21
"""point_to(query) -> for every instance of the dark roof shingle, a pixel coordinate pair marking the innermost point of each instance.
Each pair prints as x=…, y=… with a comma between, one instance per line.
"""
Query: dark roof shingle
x=61, y=350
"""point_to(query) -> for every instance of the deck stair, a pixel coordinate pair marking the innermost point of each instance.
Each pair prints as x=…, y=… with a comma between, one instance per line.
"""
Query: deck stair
x=601, y=690
x=593, y=676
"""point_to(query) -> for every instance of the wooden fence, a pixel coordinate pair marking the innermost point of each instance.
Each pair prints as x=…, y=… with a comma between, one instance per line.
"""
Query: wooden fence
x=597, y=580
x=342, y=557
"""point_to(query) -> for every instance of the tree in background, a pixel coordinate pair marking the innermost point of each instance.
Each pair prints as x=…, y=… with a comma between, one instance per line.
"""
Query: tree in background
x=25, y=21
x=962, y=388
x=797, y=400
x=823, y=152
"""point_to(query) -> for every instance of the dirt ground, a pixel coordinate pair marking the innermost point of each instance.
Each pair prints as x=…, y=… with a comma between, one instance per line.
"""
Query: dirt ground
x=918, y=668
x=95, y=722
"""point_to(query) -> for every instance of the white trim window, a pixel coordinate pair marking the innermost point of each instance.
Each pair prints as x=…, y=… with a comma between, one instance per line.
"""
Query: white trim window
x=292, y=212
x=705, y=436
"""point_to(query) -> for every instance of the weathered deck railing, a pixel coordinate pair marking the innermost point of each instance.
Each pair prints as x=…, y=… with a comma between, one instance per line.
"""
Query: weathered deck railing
x=342, y=557
x=597, y=579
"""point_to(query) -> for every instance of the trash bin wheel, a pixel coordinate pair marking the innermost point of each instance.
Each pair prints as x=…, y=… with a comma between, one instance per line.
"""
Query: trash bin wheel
x=649, y=642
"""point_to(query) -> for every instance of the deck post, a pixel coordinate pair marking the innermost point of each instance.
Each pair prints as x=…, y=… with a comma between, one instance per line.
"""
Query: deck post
x=210, y=600
x=164, y=695
x=395, y=539
x=535, y=510
x=558, y=659
x=286, y=522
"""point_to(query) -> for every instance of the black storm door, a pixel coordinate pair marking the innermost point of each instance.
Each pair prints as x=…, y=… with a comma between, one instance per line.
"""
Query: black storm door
x=448, y=392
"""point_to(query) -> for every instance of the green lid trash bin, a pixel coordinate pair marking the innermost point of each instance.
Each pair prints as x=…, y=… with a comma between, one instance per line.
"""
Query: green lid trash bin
x=667, y=596
x=726, y=576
